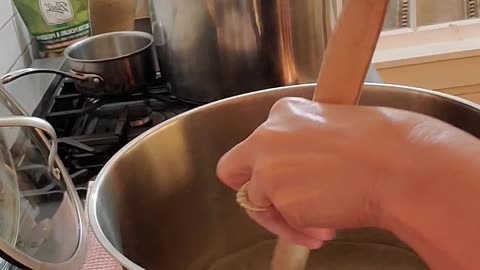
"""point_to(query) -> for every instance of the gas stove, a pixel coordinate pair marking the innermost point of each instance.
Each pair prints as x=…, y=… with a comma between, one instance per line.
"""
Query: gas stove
x=91, y=130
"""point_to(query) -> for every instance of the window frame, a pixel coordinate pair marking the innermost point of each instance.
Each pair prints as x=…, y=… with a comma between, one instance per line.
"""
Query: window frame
x=423, y=44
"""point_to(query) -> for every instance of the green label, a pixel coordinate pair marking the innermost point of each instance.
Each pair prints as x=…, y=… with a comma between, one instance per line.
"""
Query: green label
x=55, y=24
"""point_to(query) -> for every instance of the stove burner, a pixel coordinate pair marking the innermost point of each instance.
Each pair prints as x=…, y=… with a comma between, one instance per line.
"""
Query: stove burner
x=91, y=130
x=139, y=116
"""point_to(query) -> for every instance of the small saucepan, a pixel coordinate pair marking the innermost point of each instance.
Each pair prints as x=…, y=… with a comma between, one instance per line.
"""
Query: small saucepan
x=110, y=64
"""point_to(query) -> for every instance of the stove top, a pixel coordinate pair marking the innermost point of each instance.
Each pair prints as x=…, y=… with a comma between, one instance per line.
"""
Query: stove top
x=91, y=130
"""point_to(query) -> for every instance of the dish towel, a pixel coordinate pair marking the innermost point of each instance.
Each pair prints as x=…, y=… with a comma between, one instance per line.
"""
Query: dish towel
x=97, y=256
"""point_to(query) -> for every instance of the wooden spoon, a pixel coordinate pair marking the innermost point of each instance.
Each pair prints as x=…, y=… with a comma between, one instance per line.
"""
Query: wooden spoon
x=342, y=74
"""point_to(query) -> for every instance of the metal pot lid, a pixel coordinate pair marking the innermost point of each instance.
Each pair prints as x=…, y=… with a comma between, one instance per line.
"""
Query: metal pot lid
x=42, y=224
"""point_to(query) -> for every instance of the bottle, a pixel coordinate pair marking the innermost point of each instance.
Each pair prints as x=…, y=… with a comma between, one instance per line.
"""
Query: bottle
x=112, y=15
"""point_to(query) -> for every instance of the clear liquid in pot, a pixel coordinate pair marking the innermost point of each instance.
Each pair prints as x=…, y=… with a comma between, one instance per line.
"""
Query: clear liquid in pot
x=337, y=255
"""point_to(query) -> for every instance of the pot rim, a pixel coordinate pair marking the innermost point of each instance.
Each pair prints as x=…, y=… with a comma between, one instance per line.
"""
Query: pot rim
x=119, y=33
x=94, y=192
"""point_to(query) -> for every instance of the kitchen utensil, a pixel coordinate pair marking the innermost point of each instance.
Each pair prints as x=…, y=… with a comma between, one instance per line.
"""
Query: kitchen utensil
x=288, y=256
x=110, y=64
x=214, y=49
x=350, y=51
x=345, y=65
x=42, y=225
x=157, y=204
x=112, y=15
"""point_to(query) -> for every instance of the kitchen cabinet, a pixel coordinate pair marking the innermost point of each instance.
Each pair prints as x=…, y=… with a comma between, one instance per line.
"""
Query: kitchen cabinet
x=457, y=76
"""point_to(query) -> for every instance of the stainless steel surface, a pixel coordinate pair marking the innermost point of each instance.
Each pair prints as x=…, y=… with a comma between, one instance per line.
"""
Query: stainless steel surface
x=158, y=204
x=34, y=122
x=213, y=49
x=115, y=63
x=92, y=79
x=124, y=59
x=52, y=229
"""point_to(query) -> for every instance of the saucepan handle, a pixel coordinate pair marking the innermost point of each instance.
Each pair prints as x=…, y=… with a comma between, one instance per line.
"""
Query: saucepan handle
x=92, y=78
x=39, y=124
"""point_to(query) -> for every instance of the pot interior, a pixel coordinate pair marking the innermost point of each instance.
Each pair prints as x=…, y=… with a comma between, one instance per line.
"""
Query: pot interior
x=159, y=202
x=109, y=46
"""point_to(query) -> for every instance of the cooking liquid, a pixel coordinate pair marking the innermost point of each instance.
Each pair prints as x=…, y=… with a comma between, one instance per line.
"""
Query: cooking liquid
x=338, y=255
x=112, y=15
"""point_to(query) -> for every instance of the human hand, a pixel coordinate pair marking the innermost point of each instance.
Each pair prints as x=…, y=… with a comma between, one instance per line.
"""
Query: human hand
x=332, y=166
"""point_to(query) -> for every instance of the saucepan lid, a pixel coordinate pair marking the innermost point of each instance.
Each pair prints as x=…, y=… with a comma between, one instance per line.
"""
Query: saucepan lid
x=42, y=225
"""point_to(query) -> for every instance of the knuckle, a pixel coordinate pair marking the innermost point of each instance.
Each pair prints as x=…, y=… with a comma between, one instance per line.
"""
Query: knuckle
x=286, y=102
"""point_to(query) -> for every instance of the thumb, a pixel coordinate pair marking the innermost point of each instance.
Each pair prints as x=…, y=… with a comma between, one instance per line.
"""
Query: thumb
x=235, y=168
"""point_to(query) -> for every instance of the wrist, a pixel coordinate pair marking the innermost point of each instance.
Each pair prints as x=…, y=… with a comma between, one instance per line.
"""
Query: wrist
x=437, y=214
x=430, y=182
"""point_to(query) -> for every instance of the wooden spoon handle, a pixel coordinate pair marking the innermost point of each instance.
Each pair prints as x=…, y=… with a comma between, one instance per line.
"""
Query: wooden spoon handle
x=349, y=52
x=287, y=256
x=342, y=74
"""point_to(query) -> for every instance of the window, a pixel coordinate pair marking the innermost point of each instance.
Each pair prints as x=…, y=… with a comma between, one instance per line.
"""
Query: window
x=415, y=13
x=433, y=44
x=417, y=31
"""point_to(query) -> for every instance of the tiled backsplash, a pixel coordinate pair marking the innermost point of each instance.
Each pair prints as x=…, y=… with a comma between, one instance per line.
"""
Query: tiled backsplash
x=15, y=41
x=16, y=52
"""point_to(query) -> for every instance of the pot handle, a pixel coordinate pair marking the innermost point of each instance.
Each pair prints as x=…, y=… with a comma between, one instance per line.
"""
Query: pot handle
x=9, y=77
x=40, y=124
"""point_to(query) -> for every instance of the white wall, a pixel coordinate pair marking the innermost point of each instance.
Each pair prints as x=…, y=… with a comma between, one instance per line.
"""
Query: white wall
x=15, y=41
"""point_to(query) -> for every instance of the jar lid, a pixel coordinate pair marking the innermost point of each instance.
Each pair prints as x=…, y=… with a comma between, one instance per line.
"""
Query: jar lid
x=42, y=224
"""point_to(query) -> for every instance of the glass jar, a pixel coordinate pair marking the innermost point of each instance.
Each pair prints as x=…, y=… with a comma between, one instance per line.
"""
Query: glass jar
x=112, y=15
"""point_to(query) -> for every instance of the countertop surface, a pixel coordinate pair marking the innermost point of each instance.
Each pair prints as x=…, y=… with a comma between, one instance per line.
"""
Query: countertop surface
x=30, y=89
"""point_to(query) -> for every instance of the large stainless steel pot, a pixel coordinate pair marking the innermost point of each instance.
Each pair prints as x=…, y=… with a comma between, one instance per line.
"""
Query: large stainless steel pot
x=213, y=49
x=157, y=204
x=111, y=64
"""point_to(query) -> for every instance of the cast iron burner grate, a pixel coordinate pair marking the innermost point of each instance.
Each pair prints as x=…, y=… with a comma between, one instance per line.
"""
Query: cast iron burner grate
x=91, y=130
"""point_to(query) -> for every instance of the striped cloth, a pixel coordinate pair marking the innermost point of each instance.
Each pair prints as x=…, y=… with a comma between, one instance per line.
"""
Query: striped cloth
x=97, y=256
